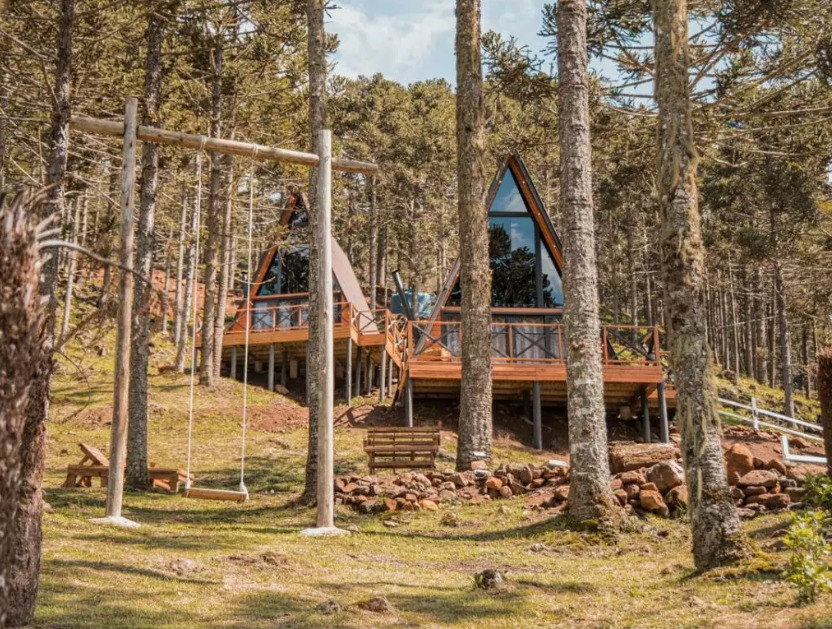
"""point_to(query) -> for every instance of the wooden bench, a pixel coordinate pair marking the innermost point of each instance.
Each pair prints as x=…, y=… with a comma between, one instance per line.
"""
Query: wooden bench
x=401, y=448
x=95, y=465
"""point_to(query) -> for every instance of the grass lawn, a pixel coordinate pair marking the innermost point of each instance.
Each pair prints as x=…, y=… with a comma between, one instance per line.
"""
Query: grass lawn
x=206, y=564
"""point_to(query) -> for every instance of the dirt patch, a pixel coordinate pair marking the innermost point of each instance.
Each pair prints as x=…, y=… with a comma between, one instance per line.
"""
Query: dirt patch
x=278, y=418
x=94, y=417
x=765, y=445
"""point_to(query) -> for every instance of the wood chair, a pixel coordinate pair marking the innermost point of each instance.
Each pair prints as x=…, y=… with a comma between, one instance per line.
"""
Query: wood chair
x=95, y=465
x=401, y=448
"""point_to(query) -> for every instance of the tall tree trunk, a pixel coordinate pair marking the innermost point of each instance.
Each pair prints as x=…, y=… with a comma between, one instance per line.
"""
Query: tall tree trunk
x=190, y=273
x=136, y=476
x=70, y=279
x=824, y=358
x=772, y=344
x=23, y=359
x=475, y=421
x=807, y=373
x=166, y=290
x=4, y=107
x=109, y=224
x=382, y=265
x=735, y=326
x=717, y=535
x=212, y=245
x=589, y=491
x=180, y=267
x=373, y=245
x=317, y=123
x=760, y=328
x=785, y=339
x=28, y=531
x=225, y=265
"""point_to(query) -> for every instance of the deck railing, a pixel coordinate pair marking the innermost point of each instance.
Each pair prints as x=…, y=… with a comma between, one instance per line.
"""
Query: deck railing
x=529, y=342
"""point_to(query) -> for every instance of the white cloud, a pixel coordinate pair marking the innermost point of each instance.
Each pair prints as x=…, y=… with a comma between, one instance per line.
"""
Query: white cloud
x=399, y=39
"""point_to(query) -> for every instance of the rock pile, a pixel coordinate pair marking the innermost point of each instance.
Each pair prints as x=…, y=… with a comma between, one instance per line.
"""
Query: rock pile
x=758, y=486
x=412, y=491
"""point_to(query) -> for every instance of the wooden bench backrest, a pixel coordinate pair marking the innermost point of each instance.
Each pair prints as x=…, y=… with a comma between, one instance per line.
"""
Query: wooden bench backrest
x=95, y=454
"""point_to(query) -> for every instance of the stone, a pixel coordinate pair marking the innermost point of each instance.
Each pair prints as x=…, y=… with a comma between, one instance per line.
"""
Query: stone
x=428, y=505
x=795, y=494
x=279, y=388
x=776, y=502
x=494, y=483
x=776, y=465
x=798, y=444
x=678, y=497
x=526, y=475
x=759, y=464
x=488, y=579
x=754, y=491
x=616, y=483
x=479, y=465
x=327, y=607
x=746, y=513
x=562, y=492
x=518, y=488
x=649, y=487
x=446, y=495
x=377, y=605
x=505, y=491
x=349, y=488
x=459, y=479
x=625, y=456
x=763, y=478
x=738, y=462
x=737, y=493
x=621, y=496
x=340, y=483
x=666, y=475
x=631, y=489
x=651, y=500
x=638, y=477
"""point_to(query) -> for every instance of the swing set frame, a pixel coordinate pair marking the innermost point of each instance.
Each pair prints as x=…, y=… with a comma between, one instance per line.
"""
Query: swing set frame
x=130, y=132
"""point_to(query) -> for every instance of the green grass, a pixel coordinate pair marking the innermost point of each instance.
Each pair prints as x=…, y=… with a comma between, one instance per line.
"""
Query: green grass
x=251, y=568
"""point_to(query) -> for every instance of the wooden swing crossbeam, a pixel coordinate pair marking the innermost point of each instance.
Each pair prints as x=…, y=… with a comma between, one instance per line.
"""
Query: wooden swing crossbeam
x=115, y=128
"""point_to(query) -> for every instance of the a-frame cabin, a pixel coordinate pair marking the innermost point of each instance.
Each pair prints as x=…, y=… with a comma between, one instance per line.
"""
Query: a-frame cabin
x=276, y=311
x=528, y=349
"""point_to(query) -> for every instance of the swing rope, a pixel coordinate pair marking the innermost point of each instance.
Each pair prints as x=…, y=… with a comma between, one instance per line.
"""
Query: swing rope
x=198, y=211
x=248, y=328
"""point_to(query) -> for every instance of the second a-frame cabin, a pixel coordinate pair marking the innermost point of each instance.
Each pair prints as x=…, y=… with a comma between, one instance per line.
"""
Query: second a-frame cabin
x=528, y=349
x=276, y=309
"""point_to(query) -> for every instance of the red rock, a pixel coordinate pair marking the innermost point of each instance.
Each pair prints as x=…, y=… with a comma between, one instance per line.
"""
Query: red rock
x=340, y=483
x=634, y=476
x=738, y=462
x=651, y=500
x=350, y=487
x=538, y=482
x=621, y=496
x=428, y=505
x=562, y=492
x=754, y=491
x=763, y=478
x=795, y=494
x=616, y=483
x=776, y=465
x=649, y=487
x=494, y=483
x=666, y=475
x=632, y=490
x=678, y=497
x=778, y=501
x=390, y=504
x=479, y=465
x=518, y=488
x=505, y=491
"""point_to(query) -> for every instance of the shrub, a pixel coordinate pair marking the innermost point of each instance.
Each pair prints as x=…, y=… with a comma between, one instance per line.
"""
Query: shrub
x=819, y=491
x=808, y=568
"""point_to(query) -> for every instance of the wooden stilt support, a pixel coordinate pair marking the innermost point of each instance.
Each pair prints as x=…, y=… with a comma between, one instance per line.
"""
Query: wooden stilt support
x=348, y=375
x=284, y=365
x=538, y=416
x=408, y=403
x=271, y=367
x=664, y=428
x=390, y=377
x=382, y=380
x=118, y=433
x=645, y=416
x=359, y=356
x=233, y=368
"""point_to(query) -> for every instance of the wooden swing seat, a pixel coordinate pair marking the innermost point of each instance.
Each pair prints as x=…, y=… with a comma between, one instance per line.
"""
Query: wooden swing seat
x=216, y=494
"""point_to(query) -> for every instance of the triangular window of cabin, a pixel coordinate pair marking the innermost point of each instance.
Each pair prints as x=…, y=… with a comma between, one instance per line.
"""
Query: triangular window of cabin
x=523, y=270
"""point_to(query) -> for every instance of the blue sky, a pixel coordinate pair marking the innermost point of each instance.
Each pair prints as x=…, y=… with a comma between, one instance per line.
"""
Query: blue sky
x=413, y=40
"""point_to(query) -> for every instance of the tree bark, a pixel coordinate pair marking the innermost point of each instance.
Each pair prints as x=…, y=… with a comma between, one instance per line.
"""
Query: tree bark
x=166, y=289
x=824, y=358
x=589, y=493
x=190, y=273
x=317, y=123
x=70, y=278
x=475, y=421
x=206, y=372
x=717, y=535
x=180, y=267
x=136, y=476
x=784, y=337
x=225, y=265
x=28, y=532
x=373, y=244
x=23, y=360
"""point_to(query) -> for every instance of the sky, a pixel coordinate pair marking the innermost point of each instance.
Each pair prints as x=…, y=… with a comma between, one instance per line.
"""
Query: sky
x=413, y=40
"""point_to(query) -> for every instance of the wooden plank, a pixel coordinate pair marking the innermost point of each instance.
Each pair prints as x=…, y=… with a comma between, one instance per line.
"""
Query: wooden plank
x=115, y=128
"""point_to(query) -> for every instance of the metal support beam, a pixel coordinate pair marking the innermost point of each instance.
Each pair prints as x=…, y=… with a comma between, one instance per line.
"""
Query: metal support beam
x=271, y=367
x=359, y=361
x=233, y=368
x=284, y=365
x=538, y=416
x=645, y=416
x=664, y=428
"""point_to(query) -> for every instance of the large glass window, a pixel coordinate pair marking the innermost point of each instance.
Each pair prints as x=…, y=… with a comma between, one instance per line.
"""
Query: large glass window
x=288, y=272
x=524, y=273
